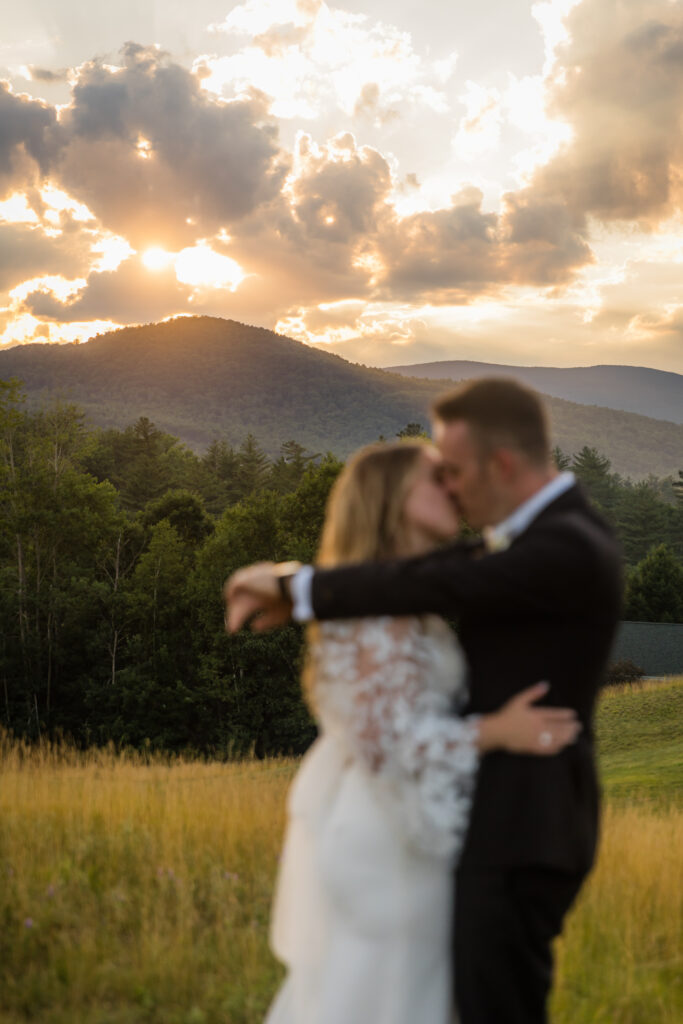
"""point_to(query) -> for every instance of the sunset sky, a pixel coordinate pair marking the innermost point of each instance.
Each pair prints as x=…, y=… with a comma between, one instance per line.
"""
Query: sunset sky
x=397, y=180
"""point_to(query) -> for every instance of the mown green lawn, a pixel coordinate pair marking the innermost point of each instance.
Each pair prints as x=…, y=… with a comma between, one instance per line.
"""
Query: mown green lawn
x=640, y=742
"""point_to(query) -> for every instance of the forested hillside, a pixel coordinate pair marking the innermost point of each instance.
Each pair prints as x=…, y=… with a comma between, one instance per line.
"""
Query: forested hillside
x=202, y=378
x=638, y=389
x=114, y=545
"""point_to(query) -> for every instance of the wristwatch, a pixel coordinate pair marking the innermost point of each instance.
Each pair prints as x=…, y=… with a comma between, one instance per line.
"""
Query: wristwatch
x=284, y=571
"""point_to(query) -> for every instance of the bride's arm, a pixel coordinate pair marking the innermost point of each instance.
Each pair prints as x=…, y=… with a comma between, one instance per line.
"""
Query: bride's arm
x=400, y=728
x=403, y=729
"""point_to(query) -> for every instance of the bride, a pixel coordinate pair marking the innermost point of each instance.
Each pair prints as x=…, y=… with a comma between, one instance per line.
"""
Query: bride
x=379, y=808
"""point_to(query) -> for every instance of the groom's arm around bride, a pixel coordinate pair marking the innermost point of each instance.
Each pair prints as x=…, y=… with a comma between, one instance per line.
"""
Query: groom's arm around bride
x=544, y=606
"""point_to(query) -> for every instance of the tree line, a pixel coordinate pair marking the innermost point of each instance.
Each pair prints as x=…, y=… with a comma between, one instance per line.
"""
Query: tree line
x=114, y=545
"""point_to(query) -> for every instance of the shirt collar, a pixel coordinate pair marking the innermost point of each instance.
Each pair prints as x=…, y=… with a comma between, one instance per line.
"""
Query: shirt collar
x=502, y=534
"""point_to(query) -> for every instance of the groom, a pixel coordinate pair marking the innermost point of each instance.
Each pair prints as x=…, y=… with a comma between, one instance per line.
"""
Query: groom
x=542, y=604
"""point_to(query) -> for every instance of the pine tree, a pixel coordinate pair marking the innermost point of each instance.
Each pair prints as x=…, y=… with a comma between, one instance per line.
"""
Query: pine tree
x=289, y=468
x=252, y=467
x=561, y=459
x=593, y=470
x=643, y=521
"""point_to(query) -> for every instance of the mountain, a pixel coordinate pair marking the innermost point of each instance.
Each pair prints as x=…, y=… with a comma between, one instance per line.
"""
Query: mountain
x=202, y=377
x=631, y=388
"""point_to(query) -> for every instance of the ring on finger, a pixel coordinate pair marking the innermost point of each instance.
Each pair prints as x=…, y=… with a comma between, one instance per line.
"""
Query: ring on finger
x=545, y=738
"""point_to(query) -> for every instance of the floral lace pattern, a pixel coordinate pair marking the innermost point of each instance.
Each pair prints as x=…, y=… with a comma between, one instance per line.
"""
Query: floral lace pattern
x=390, y=687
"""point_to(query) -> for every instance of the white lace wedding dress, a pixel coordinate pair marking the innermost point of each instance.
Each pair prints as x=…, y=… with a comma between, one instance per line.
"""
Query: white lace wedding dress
x=377, y=814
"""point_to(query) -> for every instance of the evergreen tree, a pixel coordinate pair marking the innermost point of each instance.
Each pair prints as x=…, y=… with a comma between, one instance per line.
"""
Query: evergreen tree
x=252, y=467
x=655, y=588
x=642, y=520
x=561, y=459
x=412, y=430
x=222, y=462
x=593, y=470
x=289, y=468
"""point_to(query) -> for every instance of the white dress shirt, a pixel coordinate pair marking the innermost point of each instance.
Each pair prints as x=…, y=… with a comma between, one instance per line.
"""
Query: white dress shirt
x=502, y=534
x=496, y=538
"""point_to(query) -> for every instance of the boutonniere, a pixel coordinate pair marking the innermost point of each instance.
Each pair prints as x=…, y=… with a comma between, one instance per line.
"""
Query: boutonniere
x=493, y=541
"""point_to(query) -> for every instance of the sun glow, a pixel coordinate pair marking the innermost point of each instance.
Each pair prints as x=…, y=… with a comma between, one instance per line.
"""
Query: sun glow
x=112, y=251
x=143, y=148
x=59, y=201
x=56, y=285
x=200, y=266
x=16, y=210
x=156, y=258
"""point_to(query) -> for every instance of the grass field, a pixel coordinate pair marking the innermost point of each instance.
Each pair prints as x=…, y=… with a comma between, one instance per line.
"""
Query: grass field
x=136, y=892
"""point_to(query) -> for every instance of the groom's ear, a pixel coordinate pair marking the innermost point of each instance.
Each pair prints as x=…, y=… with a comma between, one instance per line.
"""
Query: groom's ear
x=505, y=464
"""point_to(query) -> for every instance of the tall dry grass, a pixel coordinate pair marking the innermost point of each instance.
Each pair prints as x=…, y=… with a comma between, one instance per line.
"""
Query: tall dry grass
x=135, y=891
x=138, y=890
x=621, y=958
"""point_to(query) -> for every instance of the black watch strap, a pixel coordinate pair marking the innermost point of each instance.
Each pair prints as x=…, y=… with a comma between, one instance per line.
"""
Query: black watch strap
x=283, y=584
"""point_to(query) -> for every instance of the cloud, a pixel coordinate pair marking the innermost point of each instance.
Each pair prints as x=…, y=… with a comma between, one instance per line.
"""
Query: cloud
x=618, y=82
x=27, y=252
x=447, y=255
x=28, y=139
x=129, y=294
x=479, y=130
x=37, y=74
x=312, y=59
x=338, y=191
x=159, y=160
x=348, y=242
x=545, y=242
x=664, y=328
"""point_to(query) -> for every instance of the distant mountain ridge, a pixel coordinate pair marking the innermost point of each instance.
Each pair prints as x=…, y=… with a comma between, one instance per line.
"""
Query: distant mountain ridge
x=202, y=378
x=656, y=393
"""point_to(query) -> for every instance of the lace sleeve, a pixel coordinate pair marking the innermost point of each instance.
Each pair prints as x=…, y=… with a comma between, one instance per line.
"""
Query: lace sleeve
x=402, y=727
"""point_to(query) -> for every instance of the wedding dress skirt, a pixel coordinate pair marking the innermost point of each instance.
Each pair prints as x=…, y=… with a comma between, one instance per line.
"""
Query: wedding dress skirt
x=364, y=900
x=361, y=920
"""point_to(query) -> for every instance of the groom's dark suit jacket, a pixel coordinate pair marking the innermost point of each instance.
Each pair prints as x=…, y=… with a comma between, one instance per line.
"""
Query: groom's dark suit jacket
x=544, y=609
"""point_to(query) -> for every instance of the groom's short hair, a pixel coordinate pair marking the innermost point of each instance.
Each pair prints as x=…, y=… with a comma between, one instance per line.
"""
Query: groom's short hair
x=501, y=413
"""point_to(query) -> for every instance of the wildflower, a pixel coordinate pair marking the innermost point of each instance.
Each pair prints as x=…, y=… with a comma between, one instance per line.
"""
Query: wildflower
x=230, y=877
x=28, y=923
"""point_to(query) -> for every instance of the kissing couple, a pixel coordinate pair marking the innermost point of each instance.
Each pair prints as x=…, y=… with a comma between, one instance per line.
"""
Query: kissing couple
x=445, y=819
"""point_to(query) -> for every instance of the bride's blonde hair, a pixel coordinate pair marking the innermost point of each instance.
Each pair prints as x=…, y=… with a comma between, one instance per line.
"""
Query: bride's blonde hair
x=364, y=517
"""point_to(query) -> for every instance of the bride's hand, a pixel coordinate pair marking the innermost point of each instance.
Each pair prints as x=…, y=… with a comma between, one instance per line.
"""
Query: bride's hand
x=520, y=728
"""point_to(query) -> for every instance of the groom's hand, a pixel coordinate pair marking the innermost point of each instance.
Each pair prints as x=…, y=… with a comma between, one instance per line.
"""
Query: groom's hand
x=254, y=595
